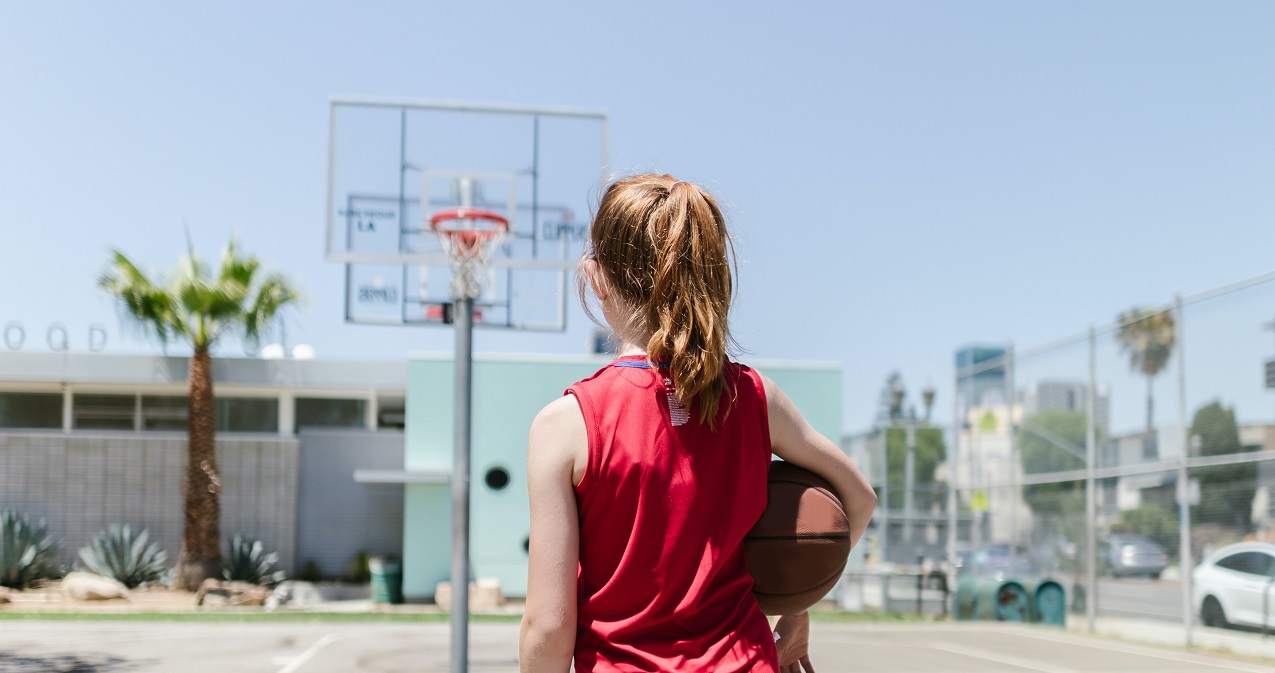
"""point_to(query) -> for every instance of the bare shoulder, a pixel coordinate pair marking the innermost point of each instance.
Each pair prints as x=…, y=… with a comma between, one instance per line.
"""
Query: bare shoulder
x=558, y=438
x=561, y=417
x=782, y=412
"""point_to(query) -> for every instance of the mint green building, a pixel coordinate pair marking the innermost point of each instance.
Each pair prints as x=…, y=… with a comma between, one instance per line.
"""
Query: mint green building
x=508, y=391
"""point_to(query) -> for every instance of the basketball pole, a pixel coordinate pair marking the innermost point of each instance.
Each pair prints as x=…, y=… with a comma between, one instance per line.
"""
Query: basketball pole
x=464, y=326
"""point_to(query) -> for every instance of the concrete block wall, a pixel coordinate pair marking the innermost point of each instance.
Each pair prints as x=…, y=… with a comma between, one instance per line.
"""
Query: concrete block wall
x=338, y=517
x=80, y=483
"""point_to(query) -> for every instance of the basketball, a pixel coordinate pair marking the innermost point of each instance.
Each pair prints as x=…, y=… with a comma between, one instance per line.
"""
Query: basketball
x=798, y=548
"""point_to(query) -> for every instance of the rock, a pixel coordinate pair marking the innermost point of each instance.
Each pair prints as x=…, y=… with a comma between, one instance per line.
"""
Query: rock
x=232, y=593
x=81, y=586
x=295, y=593
x=484, y=595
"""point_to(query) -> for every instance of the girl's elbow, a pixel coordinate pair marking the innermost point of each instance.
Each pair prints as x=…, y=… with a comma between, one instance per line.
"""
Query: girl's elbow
x=548, y=632
x=862, y=499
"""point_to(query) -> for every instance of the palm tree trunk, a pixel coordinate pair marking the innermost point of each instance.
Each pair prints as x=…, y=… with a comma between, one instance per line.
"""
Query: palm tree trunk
x=1150, y=407
x=201, y=538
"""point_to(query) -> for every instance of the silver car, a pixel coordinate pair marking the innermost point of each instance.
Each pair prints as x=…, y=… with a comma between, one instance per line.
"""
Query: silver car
x=1123, y=555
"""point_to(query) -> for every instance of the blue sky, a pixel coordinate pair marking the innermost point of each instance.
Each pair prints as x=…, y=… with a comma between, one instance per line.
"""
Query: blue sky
x=903, y=177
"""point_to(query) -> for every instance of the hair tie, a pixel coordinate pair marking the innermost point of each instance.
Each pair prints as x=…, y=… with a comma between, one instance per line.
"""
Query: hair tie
x=675, y=183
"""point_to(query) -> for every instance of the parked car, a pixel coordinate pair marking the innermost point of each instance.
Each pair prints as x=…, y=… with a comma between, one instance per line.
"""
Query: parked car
x=995, y=560
x=1123, y=555
x=1236, y=585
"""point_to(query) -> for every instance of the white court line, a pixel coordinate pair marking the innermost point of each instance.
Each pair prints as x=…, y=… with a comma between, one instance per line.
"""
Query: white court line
x=1002, y=658
x=1160, y=616
x=110, y=639
x=1141, y=651
x=305, y=656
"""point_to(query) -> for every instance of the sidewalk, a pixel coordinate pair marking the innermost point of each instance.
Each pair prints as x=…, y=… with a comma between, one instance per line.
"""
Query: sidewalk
x=1173, y=635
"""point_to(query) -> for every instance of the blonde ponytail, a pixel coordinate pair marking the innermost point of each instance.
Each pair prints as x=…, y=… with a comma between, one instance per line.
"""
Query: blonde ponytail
x=663, y=246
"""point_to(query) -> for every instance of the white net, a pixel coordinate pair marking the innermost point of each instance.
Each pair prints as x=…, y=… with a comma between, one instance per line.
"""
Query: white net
x=468, y=238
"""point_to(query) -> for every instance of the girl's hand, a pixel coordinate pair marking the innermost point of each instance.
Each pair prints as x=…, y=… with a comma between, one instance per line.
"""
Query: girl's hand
x=794, y=643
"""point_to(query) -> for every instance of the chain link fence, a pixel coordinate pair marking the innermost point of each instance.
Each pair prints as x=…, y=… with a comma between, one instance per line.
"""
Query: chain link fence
x=1123, y=462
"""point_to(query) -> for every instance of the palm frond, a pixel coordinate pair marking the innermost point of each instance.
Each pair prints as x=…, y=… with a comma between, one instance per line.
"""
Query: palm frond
x=144, y=299
x=237, y=269
x=1148, y=336
x=275, y=293
x=197, y=305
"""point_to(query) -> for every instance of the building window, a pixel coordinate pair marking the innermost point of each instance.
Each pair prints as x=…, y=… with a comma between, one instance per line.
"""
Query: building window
x=391, y=413
x=1150, y=447
x=31, y=410
x=166, y=412
x=322, y=412
x=103, y=412
x=248, y=414
x=497, y=478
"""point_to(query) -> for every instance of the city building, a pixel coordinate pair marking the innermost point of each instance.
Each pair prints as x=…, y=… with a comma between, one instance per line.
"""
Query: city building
x=982, y=376
x=1041, y=396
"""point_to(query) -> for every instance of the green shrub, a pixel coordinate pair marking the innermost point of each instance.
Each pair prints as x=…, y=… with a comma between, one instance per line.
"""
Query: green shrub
x=130, y=558
x=310, y=572
x=357, y=570
x=26, y=552
x=249, y=562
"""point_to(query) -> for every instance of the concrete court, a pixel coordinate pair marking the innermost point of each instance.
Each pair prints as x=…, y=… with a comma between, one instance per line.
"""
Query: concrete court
x=141, y=647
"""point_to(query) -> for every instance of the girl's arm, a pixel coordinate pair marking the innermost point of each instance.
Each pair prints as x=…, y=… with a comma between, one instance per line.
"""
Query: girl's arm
x=793, y=439
x=558, y=437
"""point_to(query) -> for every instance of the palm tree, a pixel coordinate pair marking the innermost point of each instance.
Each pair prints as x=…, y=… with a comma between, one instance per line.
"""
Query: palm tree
x=1148, y=336
x=195, y=306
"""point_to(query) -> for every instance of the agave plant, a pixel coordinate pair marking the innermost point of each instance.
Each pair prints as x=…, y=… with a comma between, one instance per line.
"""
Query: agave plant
x=249, y=562
x=26, y=552
x=130, y=558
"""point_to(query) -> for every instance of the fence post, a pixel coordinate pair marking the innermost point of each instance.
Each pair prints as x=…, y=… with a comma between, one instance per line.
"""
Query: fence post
x=1014, y=488
x=909, y=482
x=883, y=503
x=1184, y=485
x=1091, y=497
x=953, y=517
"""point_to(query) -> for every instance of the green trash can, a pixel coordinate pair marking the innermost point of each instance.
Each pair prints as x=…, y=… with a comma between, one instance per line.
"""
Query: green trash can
x=1002, y=601
x=387, y=579
x=1049, y=602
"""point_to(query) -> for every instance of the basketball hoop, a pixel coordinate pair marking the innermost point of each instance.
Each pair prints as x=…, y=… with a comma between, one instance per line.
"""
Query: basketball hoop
x=468, y=236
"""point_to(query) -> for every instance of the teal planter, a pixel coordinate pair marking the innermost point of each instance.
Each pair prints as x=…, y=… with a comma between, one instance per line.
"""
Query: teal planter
x=1004, y=601
x=992, y=600
x=965, y=600
x=1049, y=604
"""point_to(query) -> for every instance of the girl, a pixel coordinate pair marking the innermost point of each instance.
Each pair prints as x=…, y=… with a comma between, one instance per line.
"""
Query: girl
x=645, y=477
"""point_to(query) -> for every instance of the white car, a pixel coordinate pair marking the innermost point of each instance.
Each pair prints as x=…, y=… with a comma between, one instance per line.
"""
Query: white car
x=1236, y=585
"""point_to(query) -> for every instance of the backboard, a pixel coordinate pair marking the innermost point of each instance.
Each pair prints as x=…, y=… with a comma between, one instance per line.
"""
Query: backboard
x=394, y=163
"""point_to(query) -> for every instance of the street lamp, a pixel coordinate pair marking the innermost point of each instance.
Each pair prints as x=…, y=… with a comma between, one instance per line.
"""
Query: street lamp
x=909, y=423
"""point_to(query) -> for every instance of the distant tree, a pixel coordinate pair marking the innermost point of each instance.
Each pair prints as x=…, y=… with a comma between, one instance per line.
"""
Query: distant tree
x=194, y=305
x=1148, y=336
x=1152, y=521
x=1226, y=491
x=1053, y=441
x=931, y=450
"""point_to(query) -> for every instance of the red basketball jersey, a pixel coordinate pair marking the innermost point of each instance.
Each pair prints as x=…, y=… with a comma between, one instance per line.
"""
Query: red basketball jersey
x=665, y=503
